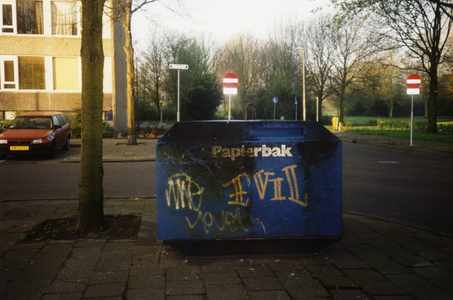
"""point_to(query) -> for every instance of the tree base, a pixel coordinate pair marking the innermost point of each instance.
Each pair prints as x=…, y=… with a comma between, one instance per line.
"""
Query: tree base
x=132, y=140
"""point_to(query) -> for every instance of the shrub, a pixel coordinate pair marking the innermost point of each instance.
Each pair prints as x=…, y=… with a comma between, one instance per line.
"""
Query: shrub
x=76, y=122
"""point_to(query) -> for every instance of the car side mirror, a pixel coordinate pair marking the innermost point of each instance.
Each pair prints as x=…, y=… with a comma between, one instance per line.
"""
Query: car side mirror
x=57, y=126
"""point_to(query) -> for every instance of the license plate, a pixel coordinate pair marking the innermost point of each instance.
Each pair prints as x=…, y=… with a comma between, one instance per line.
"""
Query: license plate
x=18, y=148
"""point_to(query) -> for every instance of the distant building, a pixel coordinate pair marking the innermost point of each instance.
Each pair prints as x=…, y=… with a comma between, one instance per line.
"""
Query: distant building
x=40, y=64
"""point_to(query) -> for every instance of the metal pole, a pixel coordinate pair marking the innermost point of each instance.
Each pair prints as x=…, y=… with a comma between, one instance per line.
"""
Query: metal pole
x=296, y=110
x=229, y=107
x=303, y=84
x=161, y=107
x=275, y=104
x=412, y=116
x=317, y=108
x=177, y=116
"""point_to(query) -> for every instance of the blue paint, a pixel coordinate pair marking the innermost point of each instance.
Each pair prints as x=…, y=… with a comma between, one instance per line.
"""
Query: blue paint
x=248, y=179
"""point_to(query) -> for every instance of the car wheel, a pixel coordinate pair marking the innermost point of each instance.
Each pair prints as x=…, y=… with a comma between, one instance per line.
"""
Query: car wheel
x=67, y=145
x=51, y=153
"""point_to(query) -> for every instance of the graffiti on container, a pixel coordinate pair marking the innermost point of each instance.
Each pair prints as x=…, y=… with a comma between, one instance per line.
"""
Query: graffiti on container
x=185, y=193
x=261, y=186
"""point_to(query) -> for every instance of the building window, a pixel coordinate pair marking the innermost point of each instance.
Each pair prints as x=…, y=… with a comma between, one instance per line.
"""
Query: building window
x=66, y=73
x=64, y=18
x=30, y=17
x=32, y=74
x=7, y=18
x=8, y=74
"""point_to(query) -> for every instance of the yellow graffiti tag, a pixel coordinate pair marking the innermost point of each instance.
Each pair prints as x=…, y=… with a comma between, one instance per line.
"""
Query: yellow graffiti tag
x=184, y=191
x=238, y=192
x=261, y=186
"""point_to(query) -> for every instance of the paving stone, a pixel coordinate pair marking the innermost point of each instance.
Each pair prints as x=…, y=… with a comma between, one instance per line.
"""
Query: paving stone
x=403, y=280
x=349, y=263
x=392, y=267
x=393, y=297
x=309, y=289
x=149, y=294
x=187, y=297
x=284, y=264
x=220, y=278
x=63, y=296
x=67, y=286
x=226, y=292
x=254, y=271
x=431, y=272
x=382, y=288
x=348, y=295
x=183, y=273
x=90, y=243
x=427, y=293
x=268, y=295
x=112, y=266
x=435, y=255
x=446, y=265
x=445, y=284
x=146, y=282
x=117, y=255
x=109, y=277
x=217, y=266
x=364, y=275
x=184, y=287
x=262, y=283
x=105, y=290
x=414, y=261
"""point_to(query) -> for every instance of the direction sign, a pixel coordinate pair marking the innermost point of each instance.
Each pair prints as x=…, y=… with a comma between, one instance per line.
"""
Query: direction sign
x=413, y=81
x=275, y=99
x=179, y=66
x=230, y=80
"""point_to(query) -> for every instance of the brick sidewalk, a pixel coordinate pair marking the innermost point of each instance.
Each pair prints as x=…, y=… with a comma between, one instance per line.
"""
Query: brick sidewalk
x=375, y=260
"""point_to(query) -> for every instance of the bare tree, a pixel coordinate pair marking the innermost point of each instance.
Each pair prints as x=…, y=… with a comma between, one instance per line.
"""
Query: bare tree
x=320, y=51
x=349, y=59
x=420, y=26
x=241, y=56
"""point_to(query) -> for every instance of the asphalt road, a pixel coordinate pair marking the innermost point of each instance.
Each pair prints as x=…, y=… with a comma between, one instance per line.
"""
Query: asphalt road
x=38, y=178
x=396, y=185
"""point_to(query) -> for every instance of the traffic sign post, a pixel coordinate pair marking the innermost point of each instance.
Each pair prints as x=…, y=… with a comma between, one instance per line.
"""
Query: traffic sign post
x=179, y=67
x=295, y=102
x=230, y=82
x=413, y=83
x=275, y=100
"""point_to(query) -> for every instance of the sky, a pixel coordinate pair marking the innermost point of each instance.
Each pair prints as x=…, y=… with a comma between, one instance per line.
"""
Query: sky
x=220, y=19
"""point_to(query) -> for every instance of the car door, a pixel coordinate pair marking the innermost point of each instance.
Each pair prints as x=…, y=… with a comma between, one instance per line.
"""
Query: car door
x=59, y=134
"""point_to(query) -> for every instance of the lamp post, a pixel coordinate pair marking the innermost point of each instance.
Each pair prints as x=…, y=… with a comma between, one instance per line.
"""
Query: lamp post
x=303, y=80
x=162, y=98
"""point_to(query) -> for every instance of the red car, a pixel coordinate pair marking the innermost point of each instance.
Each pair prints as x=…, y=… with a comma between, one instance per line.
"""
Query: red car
x=36, y=132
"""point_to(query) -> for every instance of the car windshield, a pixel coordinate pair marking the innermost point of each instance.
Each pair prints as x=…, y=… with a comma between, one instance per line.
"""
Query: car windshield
x=31, y=123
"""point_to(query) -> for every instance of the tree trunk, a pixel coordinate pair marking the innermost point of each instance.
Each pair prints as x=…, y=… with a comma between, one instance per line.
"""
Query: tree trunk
x=391, y=107
x=91, y=196
x=432, y=101
x=129, y=50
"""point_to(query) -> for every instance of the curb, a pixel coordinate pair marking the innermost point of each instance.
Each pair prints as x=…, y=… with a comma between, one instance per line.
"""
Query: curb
x=432, y=152
x=113, y=159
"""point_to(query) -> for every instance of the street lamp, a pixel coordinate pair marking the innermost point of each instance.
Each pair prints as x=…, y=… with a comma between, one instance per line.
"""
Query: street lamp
x=162, y=98
x=303, y=79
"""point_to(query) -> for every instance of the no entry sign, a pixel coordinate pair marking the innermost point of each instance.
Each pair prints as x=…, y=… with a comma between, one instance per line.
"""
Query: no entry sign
x=413, y=81
x=230, y=80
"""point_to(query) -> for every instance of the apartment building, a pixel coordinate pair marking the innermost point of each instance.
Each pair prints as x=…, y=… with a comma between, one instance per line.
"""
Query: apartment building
x=40, y=64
